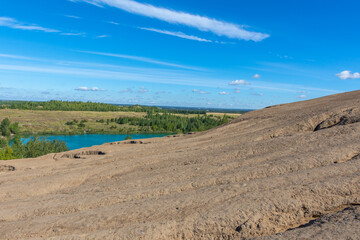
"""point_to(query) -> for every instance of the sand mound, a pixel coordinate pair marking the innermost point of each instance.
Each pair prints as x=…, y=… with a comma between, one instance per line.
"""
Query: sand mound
x=291, y=170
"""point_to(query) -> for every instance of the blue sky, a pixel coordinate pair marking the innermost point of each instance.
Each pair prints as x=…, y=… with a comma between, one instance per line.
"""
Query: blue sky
x=215, y=53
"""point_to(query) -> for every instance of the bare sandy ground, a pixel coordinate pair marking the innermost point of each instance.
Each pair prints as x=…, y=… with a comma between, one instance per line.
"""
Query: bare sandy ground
x=285, y=172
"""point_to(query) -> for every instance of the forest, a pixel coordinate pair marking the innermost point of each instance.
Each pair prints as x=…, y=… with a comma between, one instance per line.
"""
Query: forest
x=171, y=123
x=59, y=106
x=55, y=105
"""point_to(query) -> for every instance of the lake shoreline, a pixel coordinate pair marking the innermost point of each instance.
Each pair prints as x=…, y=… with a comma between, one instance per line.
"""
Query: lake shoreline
x=88, y=140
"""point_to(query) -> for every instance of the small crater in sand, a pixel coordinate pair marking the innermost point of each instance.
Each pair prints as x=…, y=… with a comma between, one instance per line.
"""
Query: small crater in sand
x=7, y=168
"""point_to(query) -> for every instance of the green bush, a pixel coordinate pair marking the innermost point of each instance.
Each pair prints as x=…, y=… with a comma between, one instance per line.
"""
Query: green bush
x=33, y=148
x=14, y=128
x=5, y=127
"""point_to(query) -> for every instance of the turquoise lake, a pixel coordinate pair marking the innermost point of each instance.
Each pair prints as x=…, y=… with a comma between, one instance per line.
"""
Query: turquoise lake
x=88, y=140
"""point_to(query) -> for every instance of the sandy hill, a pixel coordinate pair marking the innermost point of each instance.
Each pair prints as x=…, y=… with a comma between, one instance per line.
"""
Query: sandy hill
x=291, y=170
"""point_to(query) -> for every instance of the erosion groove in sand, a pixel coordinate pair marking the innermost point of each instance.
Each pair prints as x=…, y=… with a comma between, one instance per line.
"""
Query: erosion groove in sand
x=284, y=172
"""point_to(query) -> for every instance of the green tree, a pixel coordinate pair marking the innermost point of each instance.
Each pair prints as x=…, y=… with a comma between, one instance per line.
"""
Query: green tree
x=6, y=153
x=5, y=127
x=14, y=128
x=3, y=142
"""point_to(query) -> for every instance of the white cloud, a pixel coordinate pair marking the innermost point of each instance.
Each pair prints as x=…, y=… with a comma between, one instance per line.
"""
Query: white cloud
x=199, y=91
x=258, y=94
x=126, y=90
x=344, y=75
x=224, y=93
x=88, y=1
x=256, y=76
x=139, y=74
x=15, y=24
x=112, y=22
x=142, y=59
x=301, y=91
x=82, y=89
x=302, y=96
x=201, y=23
x=72, y=16
x=74, y=34
x=177, y=34
x=122, y=73
x=143, y=90
x=17, y=57
x=87, y=89
x=239, y=82
x=103, y=36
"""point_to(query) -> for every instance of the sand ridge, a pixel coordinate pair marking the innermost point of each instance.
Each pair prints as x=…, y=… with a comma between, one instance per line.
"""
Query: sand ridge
x=265, y=173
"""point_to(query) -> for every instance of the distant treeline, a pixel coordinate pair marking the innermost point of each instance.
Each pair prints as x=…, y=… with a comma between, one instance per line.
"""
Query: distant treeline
x=54, y=105
x=59, y=106
x=139, y=108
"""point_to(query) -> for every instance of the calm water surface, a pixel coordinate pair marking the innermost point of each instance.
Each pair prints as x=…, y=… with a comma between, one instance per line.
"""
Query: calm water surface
x=88, y=140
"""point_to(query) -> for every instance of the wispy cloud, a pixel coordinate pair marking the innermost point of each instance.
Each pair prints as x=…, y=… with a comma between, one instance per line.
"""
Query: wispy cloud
x=88, y=1
x=138, y=74
x=239, y=82
x=143, y=90
x=205, y=24
x=302, y=96
x=17, y=57
x=224, y=93
x=143, y=59
x=15, y=24
x=87, y=89
x=103, y=36
x=344, y=75
x=74, y=34
x=237, y=90
x=129, y=90
x=121, y=73
x=72, y=16
x=112, y=22
x=256, y=76
x=177, y=34
x=258, y=94
x=199, y=91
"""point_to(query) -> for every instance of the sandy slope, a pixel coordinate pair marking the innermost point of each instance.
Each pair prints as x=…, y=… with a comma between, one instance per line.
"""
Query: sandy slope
x=264, y=173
